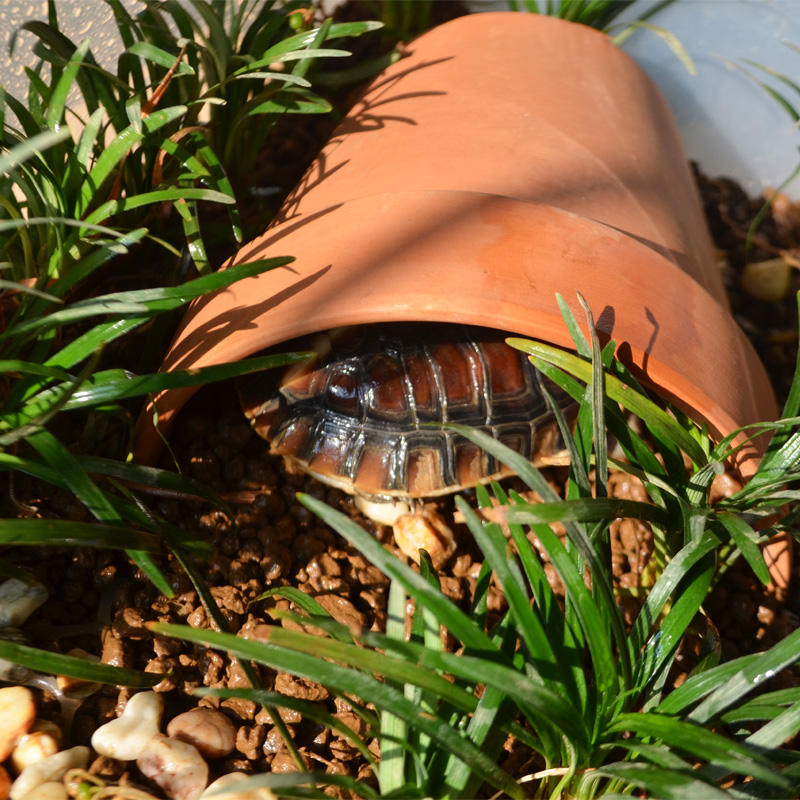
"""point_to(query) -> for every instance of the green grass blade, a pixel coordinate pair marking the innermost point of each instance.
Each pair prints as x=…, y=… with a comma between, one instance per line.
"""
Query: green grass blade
x=120, y=385
x=655, y=418
x=748, y=678
x=394, y=730
x=662, y=783
x=167, y=299
x=161, y=479
x=291, y=101
x=161, y=57
x=199, y=286
x=777, y=731
x=30, y=147
x=58, y=457
x=39, y=325
x=700, y=743
x=667, y=583
x=654, y=662
x=746, y=540
x=528, y=473
x=493, y=545
x=160, y=196
x=597, y=634
x=302, y=40
x=116, y=151
x=27, y=368
x=58, y=100
x=64, y=533
x=587, y=509
x=51, y=663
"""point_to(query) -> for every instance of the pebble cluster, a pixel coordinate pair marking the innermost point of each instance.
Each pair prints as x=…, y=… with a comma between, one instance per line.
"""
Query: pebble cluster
x=175, y=762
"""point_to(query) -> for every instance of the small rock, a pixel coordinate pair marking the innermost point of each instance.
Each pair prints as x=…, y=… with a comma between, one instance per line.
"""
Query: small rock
x=767, y=280
x=177, y=767
x=114, y=652
x=302, y=688
x=129, y=624
x=125, y=737
x=18, y=600
x=17, y=715
x=50, y=769
x=51, y=790
x=211, y=732
x=237, y=784
x=250, y=740
x=424, y=530
x=43, y=740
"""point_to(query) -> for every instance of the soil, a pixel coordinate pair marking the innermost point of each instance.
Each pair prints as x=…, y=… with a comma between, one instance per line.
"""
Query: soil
x=100, y=601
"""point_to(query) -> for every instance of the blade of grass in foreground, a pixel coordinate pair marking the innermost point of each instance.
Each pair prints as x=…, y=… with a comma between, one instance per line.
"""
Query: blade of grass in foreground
x=493, y=545
x=64, y=533
x=661, y=782
x=701, y=743
x=656, y=418
x=576, y=532
x=51, y=663
x=114, y=385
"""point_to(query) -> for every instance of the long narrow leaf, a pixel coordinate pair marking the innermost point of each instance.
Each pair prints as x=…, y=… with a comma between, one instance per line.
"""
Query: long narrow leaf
x=659, y=420
x=51, y=663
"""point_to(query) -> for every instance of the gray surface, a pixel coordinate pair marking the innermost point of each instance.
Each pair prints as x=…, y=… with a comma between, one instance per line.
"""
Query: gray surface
x=77, y=19
x=729, y=124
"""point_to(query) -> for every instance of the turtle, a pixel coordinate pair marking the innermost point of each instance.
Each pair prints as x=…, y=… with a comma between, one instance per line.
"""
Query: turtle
x=360, y=416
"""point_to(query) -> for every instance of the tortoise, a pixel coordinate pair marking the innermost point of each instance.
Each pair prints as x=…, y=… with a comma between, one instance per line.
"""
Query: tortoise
x=357, y=416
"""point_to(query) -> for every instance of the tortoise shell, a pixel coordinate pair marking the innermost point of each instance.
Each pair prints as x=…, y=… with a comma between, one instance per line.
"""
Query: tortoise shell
x=355, y=416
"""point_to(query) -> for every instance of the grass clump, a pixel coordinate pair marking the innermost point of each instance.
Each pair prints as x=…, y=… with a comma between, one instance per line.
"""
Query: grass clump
x=83, y=191
x=589, y=695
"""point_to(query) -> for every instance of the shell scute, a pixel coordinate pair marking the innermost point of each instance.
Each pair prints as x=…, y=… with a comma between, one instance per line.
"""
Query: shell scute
x=357, y=416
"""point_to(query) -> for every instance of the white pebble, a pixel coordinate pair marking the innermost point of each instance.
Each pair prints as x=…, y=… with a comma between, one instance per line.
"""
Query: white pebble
x=237, y=783
x=177, y=767
x=124, y=738
x=42, y=741
x=52, y=790
x=18, y=600
x=53, y=768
